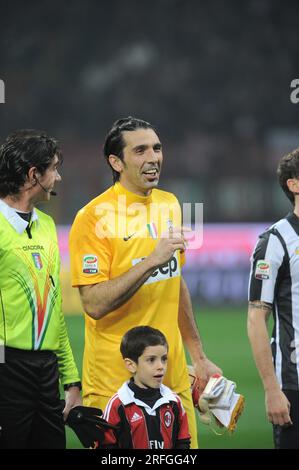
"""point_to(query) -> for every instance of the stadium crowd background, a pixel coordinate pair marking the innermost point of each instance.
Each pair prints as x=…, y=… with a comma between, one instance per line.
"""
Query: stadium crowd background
x=214, y=77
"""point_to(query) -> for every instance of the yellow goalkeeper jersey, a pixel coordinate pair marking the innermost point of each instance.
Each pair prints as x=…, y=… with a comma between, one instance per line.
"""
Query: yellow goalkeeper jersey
x=111, y=234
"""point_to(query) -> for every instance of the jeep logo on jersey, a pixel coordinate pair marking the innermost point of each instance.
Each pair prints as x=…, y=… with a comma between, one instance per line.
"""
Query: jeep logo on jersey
x=167, y=271
x=37, y=260
x=90, y=264
x=262, y=270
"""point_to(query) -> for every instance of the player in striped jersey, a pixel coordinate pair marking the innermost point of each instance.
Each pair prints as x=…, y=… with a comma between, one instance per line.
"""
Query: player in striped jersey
x=274, y=287
x=148, y=414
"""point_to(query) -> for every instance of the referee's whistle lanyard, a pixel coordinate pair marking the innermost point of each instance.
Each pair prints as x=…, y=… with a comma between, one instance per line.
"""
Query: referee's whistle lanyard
x=28, y=230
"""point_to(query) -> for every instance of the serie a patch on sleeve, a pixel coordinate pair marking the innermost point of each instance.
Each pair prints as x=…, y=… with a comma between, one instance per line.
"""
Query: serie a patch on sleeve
x=90, y=264
x=262, y=270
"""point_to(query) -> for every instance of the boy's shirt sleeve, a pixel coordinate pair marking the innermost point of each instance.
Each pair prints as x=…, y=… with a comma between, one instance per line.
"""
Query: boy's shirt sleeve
x=184, y=438
x=111, y=415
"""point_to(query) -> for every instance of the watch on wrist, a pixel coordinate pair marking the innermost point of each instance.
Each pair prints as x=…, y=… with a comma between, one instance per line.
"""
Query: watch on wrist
x=73, y=384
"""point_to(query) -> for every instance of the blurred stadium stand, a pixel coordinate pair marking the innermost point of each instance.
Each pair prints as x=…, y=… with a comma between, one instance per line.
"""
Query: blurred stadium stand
x=214, y=77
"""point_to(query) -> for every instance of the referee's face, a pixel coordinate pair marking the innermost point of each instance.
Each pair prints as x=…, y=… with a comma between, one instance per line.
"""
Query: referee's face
x=141, y=166
x=46, y=182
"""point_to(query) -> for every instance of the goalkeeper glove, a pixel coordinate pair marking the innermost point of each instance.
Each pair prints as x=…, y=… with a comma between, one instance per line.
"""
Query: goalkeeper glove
x=218, y=400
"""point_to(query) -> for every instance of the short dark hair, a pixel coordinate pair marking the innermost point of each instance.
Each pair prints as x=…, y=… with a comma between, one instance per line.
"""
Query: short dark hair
x=137, y=339
x=22, y=150
x=114, y=142
x=288, y=168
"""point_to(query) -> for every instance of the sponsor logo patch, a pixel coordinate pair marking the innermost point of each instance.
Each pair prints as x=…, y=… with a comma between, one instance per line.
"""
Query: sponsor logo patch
x=135, y=417
x=32, y=247
x=37, y=260
x=90, y=264
x=125, y=239
x=262, y=270
x=167, y=271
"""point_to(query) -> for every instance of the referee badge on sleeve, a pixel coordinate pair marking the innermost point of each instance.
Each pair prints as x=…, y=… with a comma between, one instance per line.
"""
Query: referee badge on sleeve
x=262, y=270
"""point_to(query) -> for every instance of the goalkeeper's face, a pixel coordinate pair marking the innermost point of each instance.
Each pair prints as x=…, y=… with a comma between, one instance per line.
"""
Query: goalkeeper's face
x=151, y=367
x=142, y=161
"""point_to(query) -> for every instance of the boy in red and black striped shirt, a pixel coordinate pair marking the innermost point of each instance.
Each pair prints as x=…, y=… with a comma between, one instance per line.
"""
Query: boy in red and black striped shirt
x=148, y=414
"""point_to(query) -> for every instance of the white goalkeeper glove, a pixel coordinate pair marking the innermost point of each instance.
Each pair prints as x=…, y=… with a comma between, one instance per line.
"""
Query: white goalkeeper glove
x=218, y=399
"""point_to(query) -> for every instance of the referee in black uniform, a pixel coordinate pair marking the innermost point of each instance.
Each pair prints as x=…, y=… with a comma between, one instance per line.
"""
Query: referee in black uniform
x=274, y=287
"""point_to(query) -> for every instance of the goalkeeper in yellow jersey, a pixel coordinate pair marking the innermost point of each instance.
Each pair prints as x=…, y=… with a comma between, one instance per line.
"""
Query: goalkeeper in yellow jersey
x=127, y=250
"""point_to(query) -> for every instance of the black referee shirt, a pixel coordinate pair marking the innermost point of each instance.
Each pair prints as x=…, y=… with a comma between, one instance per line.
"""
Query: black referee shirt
x=274, y=278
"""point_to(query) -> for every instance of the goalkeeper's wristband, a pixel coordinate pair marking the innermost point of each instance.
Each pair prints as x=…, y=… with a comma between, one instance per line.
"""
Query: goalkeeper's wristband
x=73, y=384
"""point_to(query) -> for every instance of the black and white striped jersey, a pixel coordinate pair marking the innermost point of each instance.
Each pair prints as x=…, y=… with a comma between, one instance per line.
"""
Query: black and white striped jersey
x=274, y=278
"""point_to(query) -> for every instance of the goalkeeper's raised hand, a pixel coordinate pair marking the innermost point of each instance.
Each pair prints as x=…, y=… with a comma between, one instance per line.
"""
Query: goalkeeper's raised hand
x=204, y=369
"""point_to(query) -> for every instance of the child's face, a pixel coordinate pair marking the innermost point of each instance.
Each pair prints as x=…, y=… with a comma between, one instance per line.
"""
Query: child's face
x=151, y=367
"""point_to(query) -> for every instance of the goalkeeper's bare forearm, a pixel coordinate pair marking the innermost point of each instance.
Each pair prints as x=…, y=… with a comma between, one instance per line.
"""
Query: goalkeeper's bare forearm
x=100, y=299
x=204, y=368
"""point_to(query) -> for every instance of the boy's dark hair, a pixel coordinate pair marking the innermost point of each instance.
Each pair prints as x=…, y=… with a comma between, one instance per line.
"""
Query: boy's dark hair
x=288, y=168
x=137, y=339
x=22, y=150
x=114, y=142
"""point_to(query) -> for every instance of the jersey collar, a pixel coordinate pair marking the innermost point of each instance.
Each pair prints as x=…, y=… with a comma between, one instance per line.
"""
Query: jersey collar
x=13, y=217
x=126, y=396
x=131, y=198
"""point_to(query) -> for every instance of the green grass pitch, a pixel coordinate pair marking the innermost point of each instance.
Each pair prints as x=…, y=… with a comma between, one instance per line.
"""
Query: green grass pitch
x=225, y=342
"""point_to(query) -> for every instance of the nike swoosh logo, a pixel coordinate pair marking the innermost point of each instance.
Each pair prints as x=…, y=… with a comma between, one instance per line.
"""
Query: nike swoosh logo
x=125, y=239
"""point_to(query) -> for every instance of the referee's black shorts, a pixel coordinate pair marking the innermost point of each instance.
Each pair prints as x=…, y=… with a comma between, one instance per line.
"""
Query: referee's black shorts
x=30, y=407
x=288, y=437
